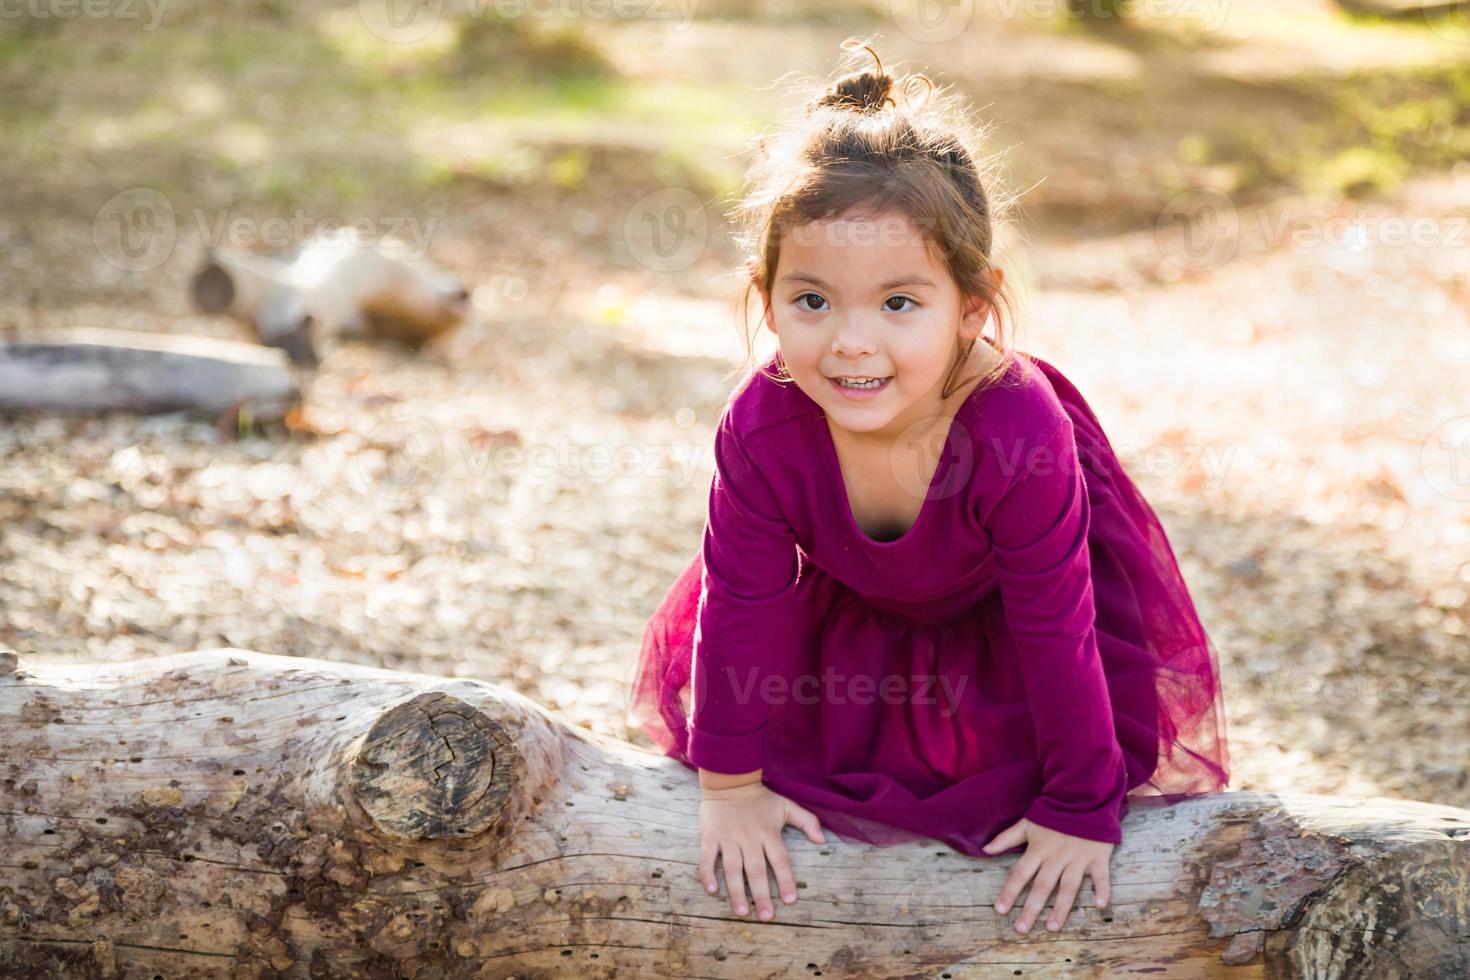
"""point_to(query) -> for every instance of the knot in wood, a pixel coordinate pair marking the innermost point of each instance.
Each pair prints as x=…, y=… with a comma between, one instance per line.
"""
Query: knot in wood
x=434, y=768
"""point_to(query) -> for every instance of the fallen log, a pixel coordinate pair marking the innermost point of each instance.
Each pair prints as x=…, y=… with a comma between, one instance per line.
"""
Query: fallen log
x=89, y=371
x=332, y=287
x=225, y=813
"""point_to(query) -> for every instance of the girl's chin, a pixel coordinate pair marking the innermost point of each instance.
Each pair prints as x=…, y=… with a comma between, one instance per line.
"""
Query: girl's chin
x=859, y=416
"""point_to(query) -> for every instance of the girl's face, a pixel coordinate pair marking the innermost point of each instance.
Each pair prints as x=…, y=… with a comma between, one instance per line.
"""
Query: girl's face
x=869, y=320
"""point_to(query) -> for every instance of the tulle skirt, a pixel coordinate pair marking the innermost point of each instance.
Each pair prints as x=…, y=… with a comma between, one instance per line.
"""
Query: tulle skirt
x=957, y=762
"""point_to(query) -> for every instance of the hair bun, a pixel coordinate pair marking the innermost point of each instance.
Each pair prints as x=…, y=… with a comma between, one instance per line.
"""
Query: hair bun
x=861, y=93
x=866, y=91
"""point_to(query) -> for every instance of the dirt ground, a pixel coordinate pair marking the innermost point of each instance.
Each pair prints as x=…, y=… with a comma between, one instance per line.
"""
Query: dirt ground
x=1291, y=395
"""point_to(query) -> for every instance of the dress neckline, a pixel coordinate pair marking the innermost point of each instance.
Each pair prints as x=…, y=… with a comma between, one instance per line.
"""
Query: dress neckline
x=834, y=464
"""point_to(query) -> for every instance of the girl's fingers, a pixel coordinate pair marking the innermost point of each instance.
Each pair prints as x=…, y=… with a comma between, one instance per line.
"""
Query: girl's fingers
x=807, y=823
x=1046, y=879
x=735, y=877
x=1025, y=867
x=781, y=864
x=760, y=887
x=1012, y=836
x=708, y=849
x=1102, y=889
x=1066, y=895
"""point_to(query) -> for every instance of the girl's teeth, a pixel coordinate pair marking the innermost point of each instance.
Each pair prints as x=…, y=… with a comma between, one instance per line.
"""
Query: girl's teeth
x=872, y=383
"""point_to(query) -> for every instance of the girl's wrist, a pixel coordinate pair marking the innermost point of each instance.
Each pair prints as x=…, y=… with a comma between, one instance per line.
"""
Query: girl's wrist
x=717, y=781
x=737, y=792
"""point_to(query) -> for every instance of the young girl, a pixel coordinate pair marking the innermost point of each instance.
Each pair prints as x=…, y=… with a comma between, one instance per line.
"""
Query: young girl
x=929, y=602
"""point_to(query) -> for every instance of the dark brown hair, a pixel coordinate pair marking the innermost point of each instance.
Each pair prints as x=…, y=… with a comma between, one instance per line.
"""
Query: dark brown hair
x=854, y=147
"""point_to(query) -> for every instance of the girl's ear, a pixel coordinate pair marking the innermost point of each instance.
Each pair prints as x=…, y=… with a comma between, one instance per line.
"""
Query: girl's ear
x=768, y=316
x=973, y=317
x=753, y=271
x=976, y=311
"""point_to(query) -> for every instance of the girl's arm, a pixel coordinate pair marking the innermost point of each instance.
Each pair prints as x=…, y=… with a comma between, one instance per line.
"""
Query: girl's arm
x=745, y=620
x=745, y=630
x=1039, y=534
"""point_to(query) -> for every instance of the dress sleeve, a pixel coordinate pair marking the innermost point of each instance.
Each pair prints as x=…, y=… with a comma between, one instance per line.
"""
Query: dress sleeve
x=746, y=609
x=1038, y=532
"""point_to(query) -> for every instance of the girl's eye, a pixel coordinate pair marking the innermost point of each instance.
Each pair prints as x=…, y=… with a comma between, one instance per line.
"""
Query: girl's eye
x=888, y=303
x=805, y=301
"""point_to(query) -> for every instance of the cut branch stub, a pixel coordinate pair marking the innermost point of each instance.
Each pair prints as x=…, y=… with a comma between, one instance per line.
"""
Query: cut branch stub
x=435, y=768
x=1408, y=910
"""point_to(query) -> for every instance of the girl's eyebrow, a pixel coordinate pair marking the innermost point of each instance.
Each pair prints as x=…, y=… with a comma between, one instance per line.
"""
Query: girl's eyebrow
x=914, y=280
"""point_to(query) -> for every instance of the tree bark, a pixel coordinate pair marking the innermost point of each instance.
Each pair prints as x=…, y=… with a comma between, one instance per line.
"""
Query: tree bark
x=225, y=813
x=91, y=371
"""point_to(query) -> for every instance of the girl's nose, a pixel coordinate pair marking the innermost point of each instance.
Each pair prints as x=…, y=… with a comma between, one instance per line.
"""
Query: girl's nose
x=851, y=343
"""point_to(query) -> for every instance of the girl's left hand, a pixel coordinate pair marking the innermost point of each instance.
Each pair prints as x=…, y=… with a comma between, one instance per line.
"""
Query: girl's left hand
x=1052, y=857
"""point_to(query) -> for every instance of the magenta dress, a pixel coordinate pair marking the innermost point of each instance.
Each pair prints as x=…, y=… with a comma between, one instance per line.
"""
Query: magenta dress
x=1027, y=648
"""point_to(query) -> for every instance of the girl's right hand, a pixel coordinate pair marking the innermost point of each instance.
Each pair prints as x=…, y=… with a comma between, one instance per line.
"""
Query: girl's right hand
x=743, y=824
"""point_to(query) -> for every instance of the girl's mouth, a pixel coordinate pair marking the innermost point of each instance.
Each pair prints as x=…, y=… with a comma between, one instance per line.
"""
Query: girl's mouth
x=859, y=388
